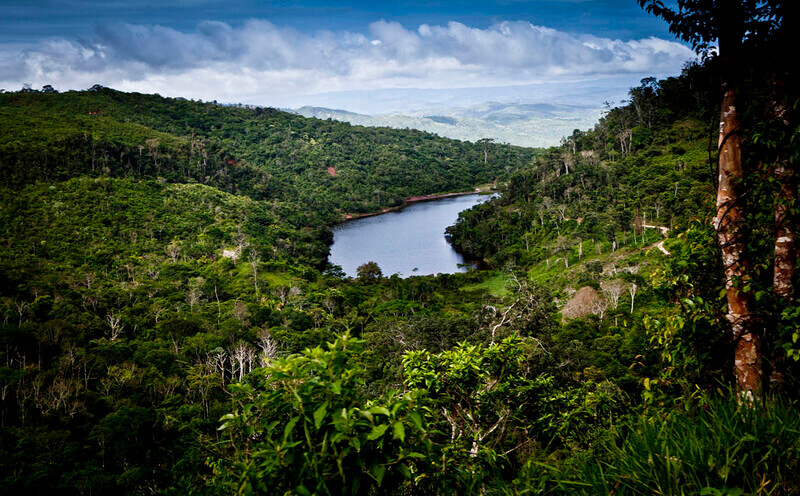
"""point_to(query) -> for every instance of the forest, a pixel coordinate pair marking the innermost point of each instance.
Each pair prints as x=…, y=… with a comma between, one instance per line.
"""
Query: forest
x=171, y=325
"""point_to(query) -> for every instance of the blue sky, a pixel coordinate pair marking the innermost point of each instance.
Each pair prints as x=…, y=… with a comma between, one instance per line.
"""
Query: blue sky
x=30, y=20
x=344, y=54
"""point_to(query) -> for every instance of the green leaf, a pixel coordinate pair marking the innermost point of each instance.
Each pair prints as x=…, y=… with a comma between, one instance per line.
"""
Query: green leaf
x=319, y=415
x=399, y=431
x=377, y=432
x=287, y=431
x=377, y=471
x=379, y=410
x=415, y=419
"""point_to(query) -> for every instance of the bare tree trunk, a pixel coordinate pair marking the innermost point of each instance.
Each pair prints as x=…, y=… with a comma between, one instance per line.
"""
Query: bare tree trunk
x=730, y=226
x=785, y=252
x=785, y=239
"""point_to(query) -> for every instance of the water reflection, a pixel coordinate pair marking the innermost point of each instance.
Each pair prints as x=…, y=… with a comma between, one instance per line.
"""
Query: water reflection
x=407, y=242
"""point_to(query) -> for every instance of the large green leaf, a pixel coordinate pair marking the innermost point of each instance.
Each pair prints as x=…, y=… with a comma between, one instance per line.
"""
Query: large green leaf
x=319, y=414
x=377, y=432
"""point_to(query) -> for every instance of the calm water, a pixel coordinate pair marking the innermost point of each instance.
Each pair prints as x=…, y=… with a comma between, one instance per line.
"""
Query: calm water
x=409, y=242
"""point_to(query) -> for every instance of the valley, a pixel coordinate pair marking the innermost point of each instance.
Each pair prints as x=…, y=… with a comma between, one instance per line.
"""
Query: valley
x=178, y=318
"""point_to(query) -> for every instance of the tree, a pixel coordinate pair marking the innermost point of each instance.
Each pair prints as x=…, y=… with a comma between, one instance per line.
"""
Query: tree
x=643, y=101
x=612, y=290
x=599, y=307
x=172, y=250
x=255, y=259
x=485, y=142
x=115, y=324
x=741, y=29
x=268, y=346
x=369, y=272
x=564, y=245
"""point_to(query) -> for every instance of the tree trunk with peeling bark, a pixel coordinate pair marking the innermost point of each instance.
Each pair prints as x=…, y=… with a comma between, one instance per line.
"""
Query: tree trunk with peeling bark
x=785, y=249
x=785, y=252
x=730, y=224
x=746, y=36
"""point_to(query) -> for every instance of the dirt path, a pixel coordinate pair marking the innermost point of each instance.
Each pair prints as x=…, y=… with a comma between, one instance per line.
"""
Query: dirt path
x=664, y=231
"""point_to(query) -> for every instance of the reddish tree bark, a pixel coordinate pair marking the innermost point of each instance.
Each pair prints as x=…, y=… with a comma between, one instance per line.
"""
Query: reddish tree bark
x=747, y=34
x=730, y=226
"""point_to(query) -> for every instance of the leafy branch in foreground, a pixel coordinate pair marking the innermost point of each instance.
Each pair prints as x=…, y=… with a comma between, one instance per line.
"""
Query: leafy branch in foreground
x=304, y=425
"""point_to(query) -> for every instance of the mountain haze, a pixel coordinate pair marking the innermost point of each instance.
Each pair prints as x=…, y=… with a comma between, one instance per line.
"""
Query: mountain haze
x=522, y=124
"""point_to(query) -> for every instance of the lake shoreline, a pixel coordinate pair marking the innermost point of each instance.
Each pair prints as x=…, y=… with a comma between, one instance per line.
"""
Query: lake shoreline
x=416, y=199
x=411, y=242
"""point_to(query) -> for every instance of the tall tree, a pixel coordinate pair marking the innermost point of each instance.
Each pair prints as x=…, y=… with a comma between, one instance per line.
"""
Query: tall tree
x=783, y=100
x=740, y=29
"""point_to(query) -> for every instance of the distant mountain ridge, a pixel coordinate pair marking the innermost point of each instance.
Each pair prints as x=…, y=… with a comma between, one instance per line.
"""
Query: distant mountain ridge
x=522, y=124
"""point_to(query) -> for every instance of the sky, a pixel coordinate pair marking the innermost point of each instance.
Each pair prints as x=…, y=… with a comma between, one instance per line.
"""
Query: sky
x=368, y=57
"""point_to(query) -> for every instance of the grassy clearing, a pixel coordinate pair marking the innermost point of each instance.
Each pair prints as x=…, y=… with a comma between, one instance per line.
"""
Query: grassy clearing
x=496, y=286
x=279, y=279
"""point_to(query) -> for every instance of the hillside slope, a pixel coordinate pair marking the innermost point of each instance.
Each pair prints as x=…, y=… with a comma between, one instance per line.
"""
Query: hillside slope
x=331, y=167
x=644, y=163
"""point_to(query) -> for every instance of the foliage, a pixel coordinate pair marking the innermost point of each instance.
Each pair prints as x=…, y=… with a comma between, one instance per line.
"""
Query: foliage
x=369, y=272
x=484, y=399
x=595, y=192
x=716, y=448
x=259, y=152
x=161, y=266
x=304, y=426
x=690, y=336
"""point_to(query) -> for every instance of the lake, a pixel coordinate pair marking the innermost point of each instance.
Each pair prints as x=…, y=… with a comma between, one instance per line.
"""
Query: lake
x=408, y=242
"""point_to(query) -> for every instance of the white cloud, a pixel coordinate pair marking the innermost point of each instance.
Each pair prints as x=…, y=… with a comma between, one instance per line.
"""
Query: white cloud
x=259, y=62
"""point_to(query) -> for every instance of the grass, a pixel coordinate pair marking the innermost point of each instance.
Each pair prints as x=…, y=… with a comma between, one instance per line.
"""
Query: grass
x=719, y=448
x=559, y=276
x=279, y=279
x=496, y=286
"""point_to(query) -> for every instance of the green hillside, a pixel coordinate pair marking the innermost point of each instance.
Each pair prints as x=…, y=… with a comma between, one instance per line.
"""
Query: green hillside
x=645, y=163
x=170, y=325
x=259, y=152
